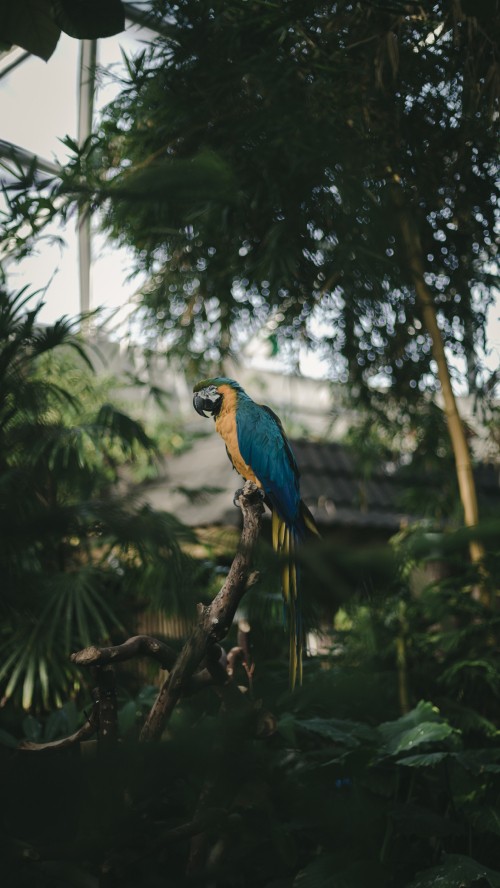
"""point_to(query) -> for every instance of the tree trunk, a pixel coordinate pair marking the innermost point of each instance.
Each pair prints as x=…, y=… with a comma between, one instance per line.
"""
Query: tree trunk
x=463, y=463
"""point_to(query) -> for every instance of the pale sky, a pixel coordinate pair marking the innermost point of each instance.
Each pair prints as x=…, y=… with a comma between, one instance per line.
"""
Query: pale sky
x=38, y=106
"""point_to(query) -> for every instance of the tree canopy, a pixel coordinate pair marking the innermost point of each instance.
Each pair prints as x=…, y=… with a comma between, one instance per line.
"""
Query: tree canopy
x=258, y=158
x=327, y=172
x=255, y=158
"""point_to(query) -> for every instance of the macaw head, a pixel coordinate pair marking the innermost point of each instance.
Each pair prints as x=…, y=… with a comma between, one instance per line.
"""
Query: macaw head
x=209, y=395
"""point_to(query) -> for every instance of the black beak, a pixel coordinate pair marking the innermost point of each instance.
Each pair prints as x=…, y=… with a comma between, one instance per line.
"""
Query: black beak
x=202, y=404
x=199, y=403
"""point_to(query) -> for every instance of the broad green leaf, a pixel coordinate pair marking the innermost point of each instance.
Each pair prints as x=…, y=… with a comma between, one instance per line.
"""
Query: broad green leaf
x=30, y=24
x=90, y=19
x=426, y=760
x=286, y=727
x=479, y=761
x=324, y=872
x=417, y=820
x=457, y=871
x=59, y=873
x=147, y=696
x=62, y=722
x=32, y=729
x=423, y=724
x=7, y=739
x=427, y=732
x=486, y=819
x=317, y=874
x=349, y=733
x=127, y=717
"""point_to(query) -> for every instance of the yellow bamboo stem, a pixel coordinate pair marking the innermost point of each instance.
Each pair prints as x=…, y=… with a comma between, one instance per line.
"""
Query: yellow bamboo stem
x=463, y=463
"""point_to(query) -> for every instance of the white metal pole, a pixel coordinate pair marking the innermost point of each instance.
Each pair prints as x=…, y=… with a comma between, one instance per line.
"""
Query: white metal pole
x=86, y=89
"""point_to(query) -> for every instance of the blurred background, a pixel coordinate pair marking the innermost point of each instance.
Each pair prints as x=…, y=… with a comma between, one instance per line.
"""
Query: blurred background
x=304, y=198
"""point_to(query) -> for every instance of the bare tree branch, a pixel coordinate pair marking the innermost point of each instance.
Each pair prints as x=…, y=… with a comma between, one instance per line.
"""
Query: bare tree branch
x=214, y=621
x=148, y=646
x=137, y=646
x=201, y=648
x=87, y=730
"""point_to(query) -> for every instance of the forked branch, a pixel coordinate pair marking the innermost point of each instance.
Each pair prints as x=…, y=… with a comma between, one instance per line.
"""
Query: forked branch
x=201, y=649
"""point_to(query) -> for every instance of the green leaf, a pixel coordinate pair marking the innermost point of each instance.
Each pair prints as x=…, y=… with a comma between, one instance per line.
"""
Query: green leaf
x=422, y=725
x=317, y=874
x=127, y=717
x=90, y=19
x=486, y=819
x=29, y=683
x=425, y=760
x=416, y=820
x=349, y=733
x=61, y=722
x=320, y=873
x=147, y=696
x=479, y=761
x=32, y=729
x=30, y=24
x=427, y=732
x=457, y=871
x=61, y=873
x=7, y=739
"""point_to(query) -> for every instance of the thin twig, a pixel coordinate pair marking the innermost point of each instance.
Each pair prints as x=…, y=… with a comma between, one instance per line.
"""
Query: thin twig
x=137, y=646
x=143, y=646
x=87, y=730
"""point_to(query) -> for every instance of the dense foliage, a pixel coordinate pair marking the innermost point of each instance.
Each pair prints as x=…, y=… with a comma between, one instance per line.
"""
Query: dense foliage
x=261, y=159
x=329, y=786
x=258, y=159
x=76, y=558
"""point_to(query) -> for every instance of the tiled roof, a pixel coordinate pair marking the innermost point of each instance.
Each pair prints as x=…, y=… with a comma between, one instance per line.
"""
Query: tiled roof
x=337, y=493
x=332, y=486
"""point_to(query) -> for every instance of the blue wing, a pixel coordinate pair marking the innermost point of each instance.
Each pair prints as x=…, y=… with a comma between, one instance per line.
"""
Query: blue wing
x=264, y=447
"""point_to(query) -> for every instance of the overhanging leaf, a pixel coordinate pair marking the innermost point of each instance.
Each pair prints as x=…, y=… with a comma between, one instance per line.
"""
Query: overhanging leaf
x=323, y=872
x=348, y=733
x=7, y=739
x=90, y=19
x=486, y=819
x=30, y=24
x=127, y=717
x=426, y=760
x=457, y=871
x=427, y=732
x=416, y=820
x=423, y=724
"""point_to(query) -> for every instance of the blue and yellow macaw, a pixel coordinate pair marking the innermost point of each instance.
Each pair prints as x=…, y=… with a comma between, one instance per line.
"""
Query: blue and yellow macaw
x=258, y=449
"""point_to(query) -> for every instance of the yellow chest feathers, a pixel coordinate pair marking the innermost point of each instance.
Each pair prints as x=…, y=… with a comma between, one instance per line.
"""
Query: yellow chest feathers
x=225, y=425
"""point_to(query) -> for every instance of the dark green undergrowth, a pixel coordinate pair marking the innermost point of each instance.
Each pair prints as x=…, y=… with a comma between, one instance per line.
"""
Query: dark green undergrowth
x=303, y=790
x=382, y=770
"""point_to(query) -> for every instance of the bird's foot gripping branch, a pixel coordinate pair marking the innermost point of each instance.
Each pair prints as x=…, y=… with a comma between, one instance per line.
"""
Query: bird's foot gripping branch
x=201, y=662
x=241, y=490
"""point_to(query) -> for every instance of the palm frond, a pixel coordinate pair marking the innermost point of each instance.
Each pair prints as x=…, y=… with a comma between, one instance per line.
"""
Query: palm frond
x=119, y=426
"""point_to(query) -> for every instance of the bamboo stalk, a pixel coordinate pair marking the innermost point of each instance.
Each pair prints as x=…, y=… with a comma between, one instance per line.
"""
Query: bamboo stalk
x=463, y=462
